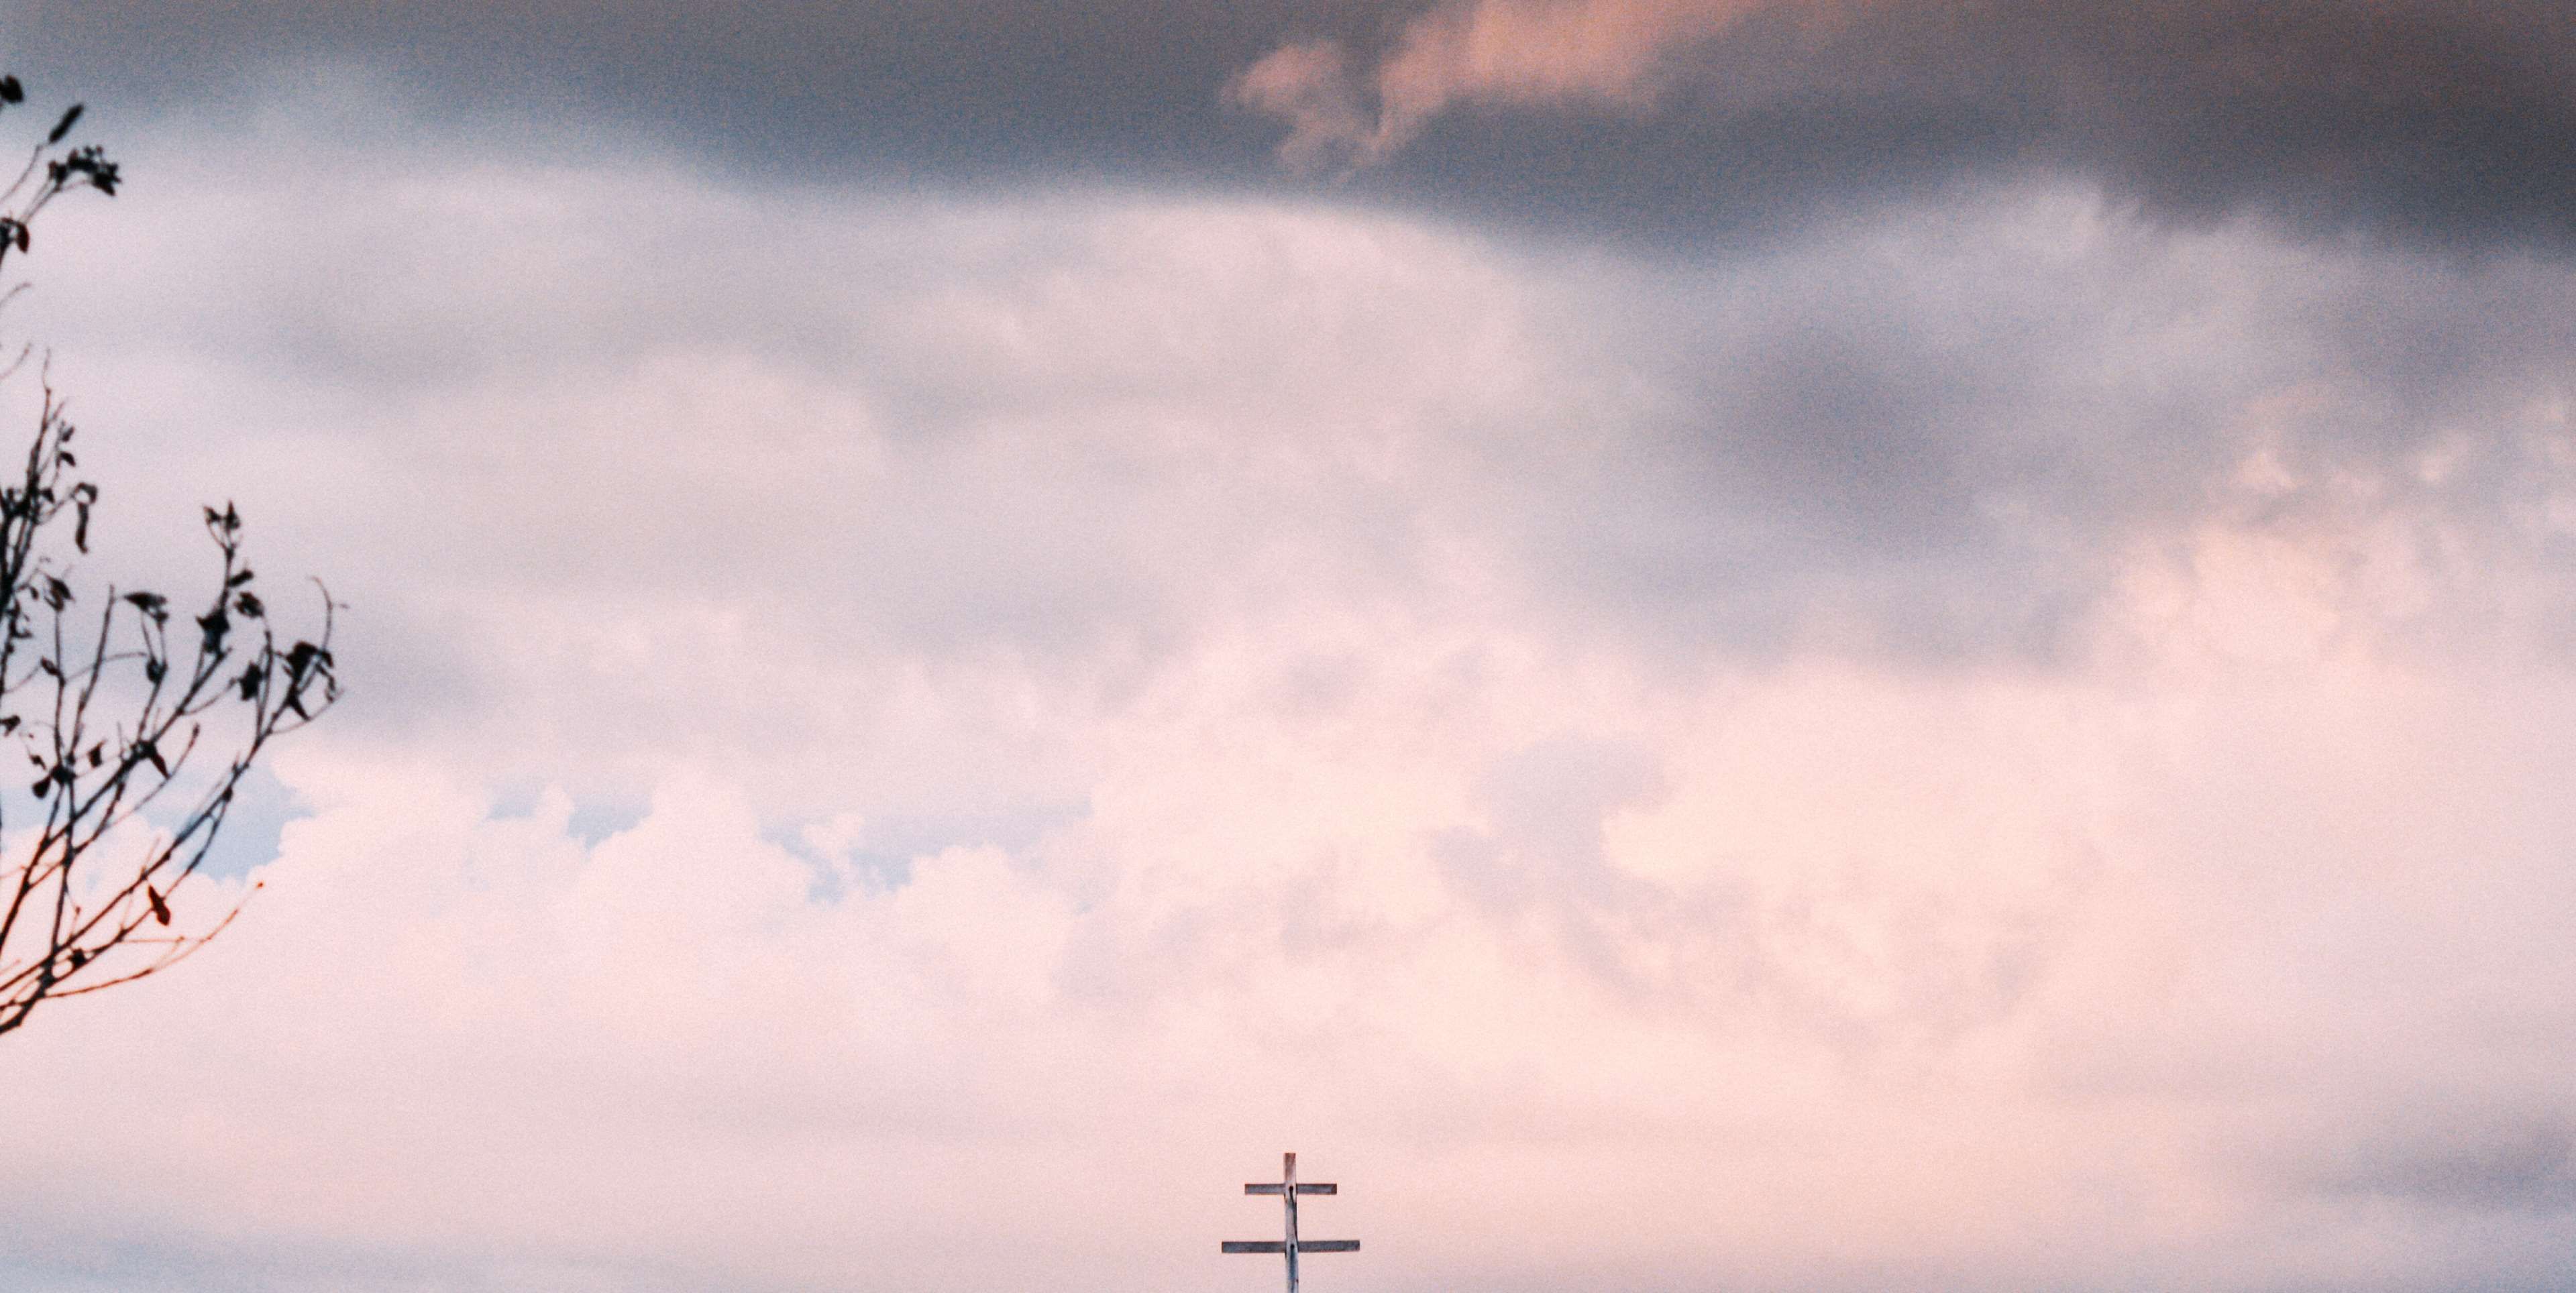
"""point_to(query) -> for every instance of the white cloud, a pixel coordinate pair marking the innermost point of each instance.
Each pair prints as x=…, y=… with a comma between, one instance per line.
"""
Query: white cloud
x=1990, y=974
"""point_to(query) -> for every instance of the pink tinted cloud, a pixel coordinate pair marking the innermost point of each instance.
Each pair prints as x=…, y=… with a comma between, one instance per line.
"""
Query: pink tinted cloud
x=1486, y=51
x=2186, y=958
x=1995, y=982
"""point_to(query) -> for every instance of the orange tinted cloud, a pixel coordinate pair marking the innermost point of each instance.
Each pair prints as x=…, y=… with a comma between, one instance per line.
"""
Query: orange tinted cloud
x=1494, y=51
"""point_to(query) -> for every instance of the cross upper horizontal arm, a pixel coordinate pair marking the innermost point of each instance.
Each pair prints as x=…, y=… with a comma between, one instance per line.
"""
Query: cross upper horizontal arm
x=1273, y=1188
x=1317, y=1187
x=1328, y=1245
x=1253, y=1246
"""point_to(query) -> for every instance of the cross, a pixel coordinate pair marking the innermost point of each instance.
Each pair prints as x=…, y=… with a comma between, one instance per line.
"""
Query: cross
x=1287, y=1188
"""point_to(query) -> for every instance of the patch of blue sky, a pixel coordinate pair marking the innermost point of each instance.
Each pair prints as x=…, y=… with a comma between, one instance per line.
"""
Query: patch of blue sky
x=592, y=821
x=516, y=802
x=255, y=827
x=877, y=854
x=253, y=830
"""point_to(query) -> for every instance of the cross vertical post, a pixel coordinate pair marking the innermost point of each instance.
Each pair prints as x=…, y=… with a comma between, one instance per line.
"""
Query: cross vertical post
x=1287, y=1188
x=1288, y=1193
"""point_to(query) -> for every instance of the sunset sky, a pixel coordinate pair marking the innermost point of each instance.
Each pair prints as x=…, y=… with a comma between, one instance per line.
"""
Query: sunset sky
x=1695, y=644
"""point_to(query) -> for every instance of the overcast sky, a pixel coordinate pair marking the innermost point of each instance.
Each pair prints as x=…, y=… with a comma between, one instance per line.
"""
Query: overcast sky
x=1696, y=644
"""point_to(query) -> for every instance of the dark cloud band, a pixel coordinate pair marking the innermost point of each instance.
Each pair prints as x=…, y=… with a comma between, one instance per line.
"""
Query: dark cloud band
x=2443, y=122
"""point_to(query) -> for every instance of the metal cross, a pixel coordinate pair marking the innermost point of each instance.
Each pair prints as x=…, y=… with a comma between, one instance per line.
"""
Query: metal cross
x=1287, y=1188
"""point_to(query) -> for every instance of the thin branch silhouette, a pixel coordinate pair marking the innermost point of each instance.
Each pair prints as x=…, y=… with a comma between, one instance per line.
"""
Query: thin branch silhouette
x=119, y=714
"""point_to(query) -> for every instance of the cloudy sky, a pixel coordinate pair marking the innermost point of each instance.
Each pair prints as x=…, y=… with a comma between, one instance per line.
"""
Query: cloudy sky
x=1697, y=644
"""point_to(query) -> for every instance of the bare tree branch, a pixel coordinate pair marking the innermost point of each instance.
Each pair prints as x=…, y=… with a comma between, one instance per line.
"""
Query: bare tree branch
x=109, y=713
